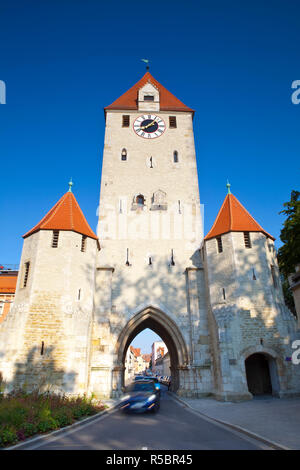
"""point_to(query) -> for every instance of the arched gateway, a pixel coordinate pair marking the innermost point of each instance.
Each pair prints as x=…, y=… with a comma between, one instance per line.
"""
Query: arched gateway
x=161, y=324
x=214, y=301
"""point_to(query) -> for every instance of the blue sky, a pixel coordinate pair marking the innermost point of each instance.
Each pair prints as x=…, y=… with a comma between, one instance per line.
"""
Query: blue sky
x=64, y=60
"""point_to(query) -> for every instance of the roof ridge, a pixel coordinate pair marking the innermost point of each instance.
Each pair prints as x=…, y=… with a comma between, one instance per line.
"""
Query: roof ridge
x=247, y=212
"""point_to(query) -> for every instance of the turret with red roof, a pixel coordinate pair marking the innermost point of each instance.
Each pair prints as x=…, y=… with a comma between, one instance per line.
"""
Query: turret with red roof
x=240, y=258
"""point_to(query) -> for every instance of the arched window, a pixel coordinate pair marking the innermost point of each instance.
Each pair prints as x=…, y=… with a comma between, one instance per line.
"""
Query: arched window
x=140, y=200
x=124, y=155
x=175, y=156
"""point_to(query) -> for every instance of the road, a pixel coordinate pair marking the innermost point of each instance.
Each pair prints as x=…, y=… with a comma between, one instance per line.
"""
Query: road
x=174, y=427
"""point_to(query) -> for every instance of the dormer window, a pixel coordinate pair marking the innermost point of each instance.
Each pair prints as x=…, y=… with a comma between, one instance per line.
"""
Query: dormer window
x=148, y=98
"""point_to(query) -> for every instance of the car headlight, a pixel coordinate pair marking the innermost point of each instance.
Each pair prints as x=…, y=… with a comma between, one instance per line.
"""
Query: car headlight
x=152, y=397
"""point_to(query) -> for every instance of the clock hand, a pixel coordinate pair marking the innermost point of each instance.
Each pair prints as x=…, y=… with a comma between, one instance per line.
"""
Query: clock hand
x=150, y=124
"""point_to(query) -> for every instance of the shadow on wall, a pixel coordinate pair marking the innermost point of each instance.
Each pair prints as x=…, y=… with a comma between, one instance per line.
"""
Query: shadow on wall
x=38, y=372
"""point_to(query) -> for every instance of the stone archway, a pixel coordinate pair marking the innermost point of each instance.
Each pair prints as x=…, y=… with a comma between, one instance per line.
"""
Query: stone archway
x=163, y=326
x=261, y=372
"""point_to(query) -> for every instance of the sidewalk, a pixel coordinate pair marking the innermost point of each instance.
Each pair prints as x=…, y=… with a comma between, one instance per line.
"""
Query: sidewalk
x=274, y=419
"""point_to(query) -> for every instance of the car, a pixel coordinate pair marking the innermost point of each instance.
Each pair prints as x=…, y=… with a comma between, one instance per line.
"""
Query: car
x=156, y=382
x=139, y=377
x=141, y=396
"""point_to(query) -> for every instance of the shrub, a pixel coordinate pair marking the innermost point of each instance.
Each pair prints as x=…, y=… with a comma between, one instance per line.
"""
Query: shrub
x=8, y=435
x=24, y=414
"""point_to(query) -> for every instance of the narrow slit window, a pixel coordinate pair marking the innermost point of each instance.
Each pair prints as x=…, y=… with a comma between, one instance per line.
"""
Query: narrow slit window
x=126, y=120
x=26, y=273
x=175, y=156
x=55, y=236
x=148, y=98
x=247, y=240
x=83, y=243
x=79, y=294
x=172, y=122
x=274, y=276
x=224, y=295
x=124, y=155
x=220, y=245
x=253, y=275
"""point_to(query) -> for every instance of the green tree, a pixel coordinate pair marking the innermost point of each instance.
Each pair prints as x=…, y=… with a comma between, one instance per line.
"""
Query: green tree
x=289, y=253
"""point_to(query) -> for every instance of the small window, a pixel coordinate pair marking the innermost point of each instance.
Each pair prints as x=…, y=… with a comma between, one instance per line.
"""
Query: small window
x=140, y=200
x=172, y=122
x=247, y=240
x=253, y=275
x=55, y=236
x=79, y=294
x=224, y=295
x=220, y=245
x=274, y=276
x=126, y=121
x=26, y=273
x=83, y=243
x=124, y=155
x=175, y=156
x=148, y=98
x=42, y=348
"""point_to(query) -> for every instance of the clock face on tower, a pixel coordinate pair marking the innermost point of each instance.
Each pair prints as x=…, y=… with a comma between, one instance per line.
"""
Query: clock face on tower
x=149, y=126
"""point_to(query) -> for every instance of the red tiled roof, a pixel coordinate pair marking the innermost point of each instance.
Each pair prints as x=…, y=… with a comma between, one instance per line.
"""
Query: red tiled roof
x=135, y=351
x=65, y=215
x=168, y=102
x=147, y=357
x=233, y=217
x=8, y=284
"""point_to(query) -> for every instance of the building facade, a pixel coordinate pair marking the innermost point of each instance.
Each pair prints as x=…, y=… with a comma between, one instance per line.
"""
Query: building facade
x=216, y=302
x=8, y=282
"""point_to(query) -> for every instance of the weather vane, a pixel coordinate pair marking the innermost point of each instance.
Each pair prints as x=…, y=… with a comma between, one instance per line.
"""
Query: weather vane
x=147, y=62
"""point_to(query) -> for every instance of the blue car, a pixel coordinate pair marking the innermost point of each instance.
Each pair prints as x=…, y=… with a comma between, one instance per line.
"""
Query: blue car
x=156, y=382
x=141, y=396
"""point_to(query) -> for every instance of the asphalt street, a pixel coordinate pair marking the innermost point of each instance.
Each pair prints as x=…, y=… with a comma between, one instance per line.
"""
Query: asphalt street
x=174, y=427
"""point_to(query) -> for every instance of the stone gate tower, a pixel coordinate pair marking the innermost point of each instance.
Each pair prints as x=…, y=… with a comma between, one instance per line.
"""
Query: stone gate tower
x=216, y=302
x=149, y=272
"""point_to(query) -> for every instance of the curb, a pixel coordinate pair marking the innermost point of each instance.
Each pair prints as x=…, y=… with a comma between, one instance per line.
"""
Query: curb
x=64, y=429
x=235, y=427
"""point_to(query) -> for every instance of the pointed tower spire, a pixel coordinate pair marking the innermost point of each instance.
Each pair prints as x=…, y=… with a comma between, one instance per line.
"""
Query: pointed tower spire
x=233, y=217
x=70, y=185
x=65, y=215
